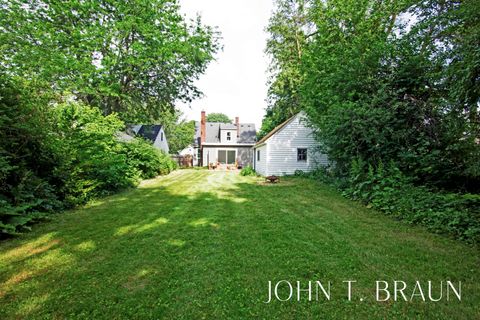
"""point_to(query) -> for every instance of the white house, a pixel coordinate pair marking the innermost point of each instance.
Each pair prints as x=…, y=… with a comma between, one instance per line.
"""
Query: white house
x=289, y=147
x=153, y=133
x=190, y=150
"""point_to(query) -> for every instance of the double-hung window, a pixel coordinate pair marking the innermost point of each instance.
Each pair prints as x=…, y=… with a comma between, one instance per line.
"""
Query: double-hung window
x=301, y=154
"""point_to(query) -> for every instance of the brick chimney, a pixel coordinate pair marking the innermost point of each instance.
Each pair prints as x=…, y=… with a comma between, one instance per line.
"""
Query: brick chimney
x=202, y=127
x=237, y=123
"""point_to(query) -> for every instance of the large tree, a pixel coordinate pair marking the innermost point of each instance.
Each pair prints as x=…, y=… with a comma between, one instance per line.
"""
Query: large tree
x=218, y=117
x=287, y=28
x=180, y=133
x=382, y=81
x=383, y=86
x=134, y=57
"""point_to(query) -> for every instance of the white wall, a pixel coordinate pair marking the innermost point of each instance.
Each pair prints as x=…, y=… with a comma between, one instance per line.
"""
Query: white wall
x=282, y=149
x=261, y=166
x=223, y=136
x=161, y=144
x=190, y=150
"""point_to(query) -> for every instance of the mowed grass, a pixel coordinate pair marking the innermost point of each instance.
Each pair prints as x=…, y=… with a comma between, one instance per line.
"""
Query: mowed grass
x=203, y=245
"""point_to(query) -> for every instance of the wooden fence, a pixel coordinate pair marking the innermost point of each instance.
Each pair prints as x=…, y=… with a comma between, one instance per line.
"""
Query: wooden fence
x=183, y=161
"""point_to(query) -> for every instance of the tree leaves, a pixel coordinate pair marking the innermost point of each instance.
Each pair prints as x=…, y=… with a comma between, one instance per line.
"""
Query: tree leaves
x=383, y=81
x=128, y=57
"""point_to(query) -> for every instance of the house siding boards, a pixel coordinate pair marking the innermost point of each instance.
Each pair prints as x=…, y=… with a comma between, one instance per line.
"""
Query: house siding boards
x=280, y=149
x=161, y=141
x=261, y=165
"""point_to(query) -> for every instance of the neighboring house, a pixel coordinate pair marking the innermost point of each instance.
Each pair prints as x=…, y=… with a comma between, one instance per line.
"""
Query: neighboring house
x=224, y=143
x=190, y=151
x=153, y=133
x=289, y=147
x=194, y=148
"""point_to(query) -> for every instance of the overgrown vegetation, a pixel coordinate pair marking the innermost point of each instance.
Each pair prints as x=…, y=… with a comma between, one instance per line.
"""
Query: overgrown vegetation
x=134, y=58
x=248, y=171
x=72, y=72
x=394, y=83
x=149, y=162
x=62, y=155
x=387, y=189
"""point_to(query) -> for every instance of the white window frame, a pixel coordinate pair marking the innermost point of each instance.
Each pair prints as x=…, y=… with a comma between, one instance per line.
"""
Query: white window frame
x=226, y=155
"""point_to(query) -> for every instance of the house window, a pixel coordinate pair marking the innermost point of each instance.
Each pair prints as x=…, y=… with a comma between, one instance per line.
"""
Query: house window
x=229, y=136
x=226, y=156
x=301, y=154
x=161, y=136
x=258, y=155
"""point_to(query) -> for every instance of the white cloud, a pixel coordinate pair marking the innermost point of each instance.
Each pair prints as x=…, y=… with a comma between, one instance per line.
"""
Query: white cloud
x=235, y=84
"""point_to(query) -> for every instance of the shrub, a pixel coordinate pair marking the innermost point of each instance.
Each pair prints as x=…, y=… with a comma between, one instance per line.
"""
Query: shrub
x=55, y=157
x=247, y=171
x=300, y=173
x=92, y=160
x=148, y=160
x=27, y=157
x=388, y=190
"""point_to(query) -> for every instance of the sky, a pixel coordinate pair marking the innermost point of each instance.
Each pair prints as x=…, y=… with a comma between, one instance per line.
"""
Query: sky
x=234, y=84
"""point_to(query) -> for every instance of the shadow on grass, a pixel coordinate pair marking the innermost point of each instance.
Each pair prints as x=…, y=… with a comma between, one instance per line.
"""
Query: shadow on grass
x=175, y=250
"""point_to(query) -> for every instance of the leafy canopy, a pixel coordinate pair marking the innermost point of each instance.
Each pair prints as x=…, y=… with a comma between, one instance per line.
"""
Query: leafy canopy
x=135, y=58
x=218, y=117
x=383, y=81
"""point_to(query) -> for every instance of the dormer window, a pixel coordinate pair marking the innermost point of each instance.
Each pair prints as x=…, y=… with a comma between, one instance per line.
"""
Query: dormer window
x=229, y=136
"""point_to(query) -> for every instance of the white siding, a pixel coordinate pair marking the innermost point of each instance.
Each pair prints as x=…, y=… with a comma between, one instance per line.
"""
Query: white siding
x=282, y=149
x=160, y=143
x=188, y=151
x=261, y=166
x=233, y=136
x=209, y=155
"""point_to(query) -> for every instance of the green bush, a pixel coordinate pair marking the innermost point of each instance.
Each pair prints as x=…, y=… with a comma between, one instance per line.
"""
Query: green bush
x=60, y=156
x=247, y=171
x=300, y=173
x=27, y=158
x=385, y=188
x=148, y=160
x=92, y=160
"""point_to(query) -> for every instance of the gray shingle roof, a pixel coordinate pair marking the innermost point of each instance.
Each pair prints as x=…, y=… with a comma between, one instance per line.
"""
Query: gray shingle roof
x=147, y=131
x=150, y=132
x=228, y=126
x=247, y=134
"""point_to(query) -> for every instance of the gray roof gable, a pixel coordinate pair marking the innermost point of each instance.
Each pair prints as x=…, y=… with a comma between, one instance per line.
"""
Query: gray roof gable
x=147, y=131
x=247, y=133
x=228, y=126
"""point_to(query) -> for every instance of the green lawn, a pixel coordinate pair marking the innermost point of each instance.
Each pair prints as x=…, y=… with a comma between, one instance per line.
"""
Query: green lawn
x=200, y=244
